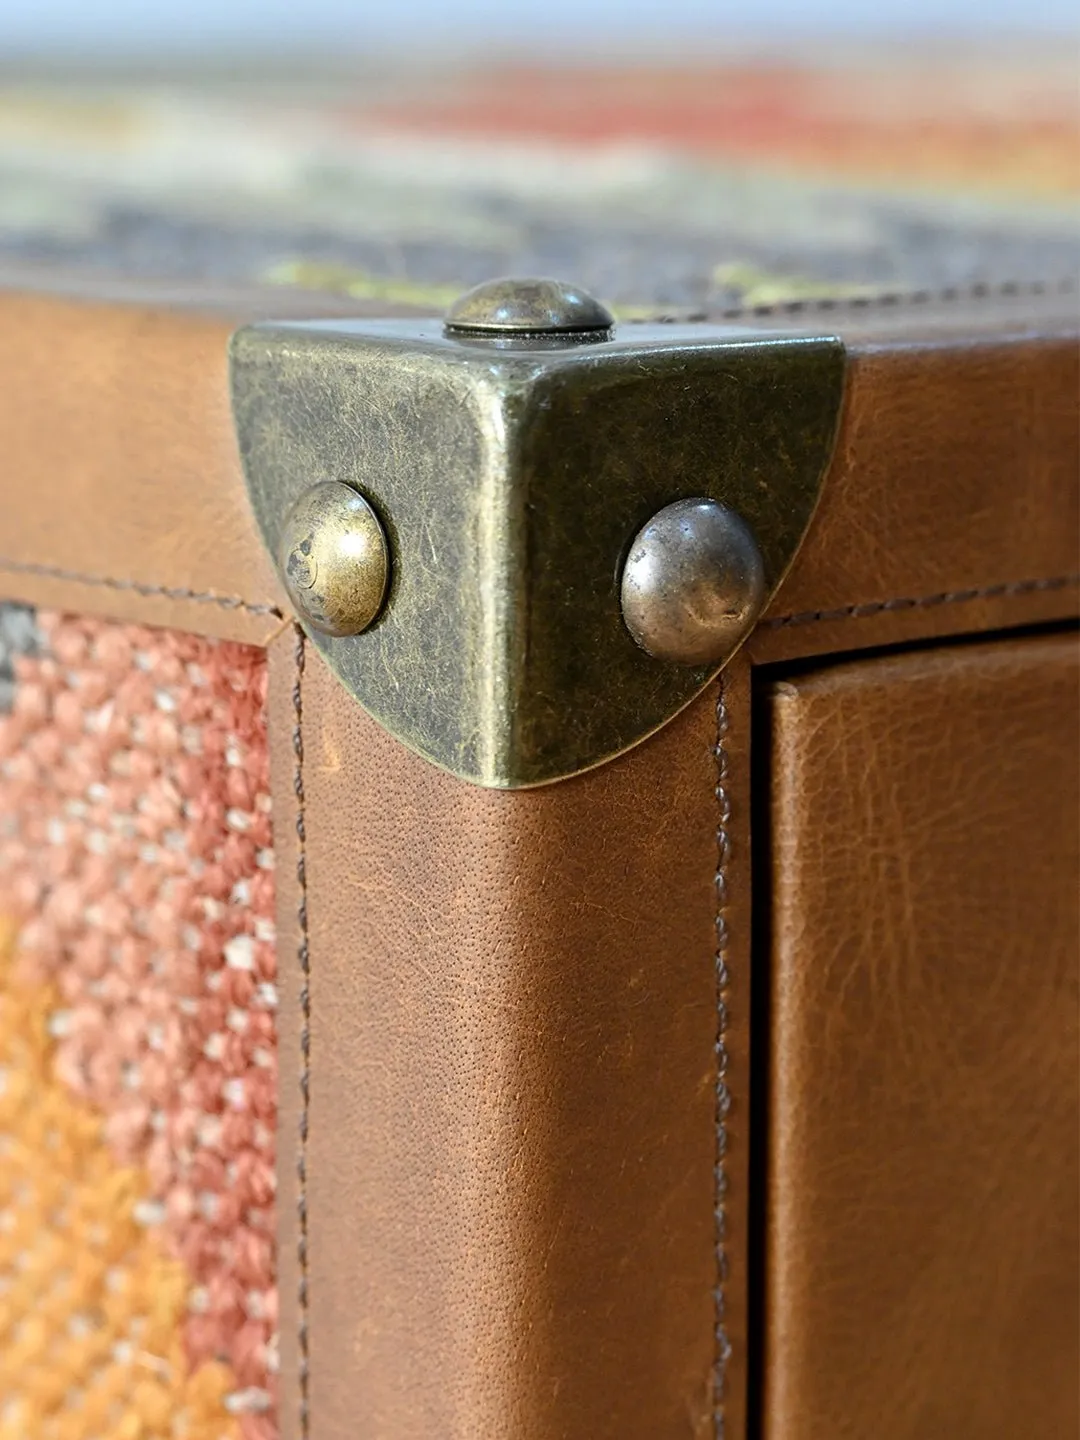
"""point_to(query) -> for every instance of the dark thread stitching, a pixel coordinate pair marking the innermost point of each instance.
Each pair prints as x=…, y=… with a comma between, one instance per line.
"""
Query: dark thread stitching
x=723, y=1096
x=304, y=957
x=54, y=572
x=923, y=602
x=951, y=294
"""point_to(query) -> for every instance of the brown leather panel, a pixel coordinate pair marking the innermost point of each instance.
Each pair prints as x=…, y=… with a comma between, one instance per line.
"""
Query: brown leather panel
x=512, y=1127
x=957, y=468
x=869, y=626
x=197, y=615
x=119, y=459
x=922, y=1268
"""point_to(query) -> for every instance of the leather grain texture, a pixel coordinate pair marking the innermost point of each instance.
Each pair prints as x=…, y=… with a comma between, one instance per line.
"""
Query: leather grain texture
x=922, y=1269
x=511, y=1124
x=953, y=499
x=122, y=489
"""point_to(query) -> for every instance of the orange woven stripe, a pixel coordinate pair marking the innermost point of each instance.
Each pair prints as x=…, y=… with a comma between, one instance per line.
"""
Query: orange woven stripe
x=91, y=1310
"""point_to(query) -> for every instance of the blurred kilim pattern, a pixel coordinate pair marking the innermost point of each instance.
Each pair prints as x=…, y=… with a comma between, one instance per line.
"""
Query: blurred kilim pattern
x=738, y=182
x=137, y=1036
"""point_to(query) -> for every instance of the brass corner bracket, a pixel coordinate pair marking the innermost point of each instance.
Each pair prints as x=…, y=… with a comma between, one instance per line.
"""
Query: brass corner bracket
x=502, y=506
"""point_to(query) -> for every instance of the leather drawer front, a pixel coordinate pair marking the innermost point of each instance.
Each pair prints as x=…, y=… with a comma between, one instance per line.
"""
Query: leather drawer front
x=920, y=1268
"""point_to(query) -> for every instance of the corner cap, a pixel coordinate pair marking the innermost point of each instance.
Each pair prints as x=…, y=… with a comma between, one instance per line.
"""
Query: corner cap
x=512, y=484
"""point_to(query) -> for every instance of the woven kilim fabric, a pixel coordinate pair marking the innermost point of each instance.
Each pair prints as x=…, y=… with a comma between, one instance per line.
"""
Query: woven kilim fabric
x=763, y=180
x=137, y=1036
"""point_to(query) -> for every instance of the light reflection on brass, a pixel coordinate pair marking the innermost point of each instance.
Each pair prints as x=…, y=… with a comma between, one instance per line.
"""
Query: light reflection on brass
x=334, y=560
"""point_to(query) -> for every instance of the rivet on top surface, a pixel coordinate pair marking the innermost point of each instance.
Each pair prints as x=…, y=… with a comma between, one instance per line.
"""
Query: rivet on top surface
x=527, y=307
x=693, y=583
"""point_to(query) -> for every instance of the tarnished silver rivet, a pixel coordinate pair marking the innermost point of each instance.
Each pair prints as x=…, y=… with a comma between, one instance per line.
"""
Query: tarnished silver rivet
x=334, y=559
x=527, y=307
x=693, y=583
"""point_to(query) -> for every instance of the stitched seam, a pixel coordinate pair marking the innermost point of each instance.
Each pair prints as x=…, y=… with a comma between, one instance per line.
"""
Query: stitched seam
x=304, y=958
x=55, y=572
x=723, y=1096
x=888, y=299
x=923, y=602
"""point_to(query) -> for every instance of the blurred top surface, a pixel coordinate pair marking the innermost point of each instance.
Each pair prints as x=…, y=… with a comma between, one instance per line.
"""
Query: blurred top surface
x=663, y=187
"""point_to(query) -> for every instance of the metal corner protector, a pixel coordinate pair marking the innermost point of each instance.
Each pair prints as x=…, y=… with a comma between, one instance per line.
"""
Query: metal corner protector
x=526, y=538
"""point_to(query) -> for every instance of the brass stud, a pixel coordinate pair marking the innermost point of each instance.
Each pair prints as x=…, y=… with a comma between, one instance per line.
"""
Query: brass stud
x=693, y=584
x=334, y=559
x=527, y=307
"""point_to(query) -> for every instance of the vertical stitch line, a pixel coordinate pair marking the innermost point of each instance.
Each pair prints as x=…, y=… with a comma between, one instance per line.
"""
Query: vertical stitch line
x=304, y=957
x=723, y=1097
